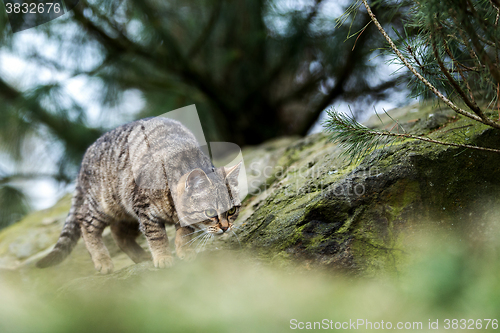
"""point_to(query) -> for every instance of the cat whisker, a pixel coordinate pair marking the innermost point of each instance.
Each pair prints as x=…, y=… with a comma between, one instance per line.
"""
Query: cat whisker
x=202, y=244
x=198, y=244
x=192, y=240
x=207, y=240
x=202, y=241
x=237, y=238
x=210, y=240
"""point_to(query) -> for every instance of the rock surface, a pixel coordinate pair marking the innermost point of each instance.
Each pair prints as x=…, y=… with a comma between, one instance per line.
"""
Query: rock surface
x=309, y=205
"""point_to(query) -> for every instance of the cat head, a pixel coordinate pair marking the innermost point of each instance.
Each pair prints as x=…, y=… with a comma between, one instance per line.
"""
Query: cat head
x=209, y=201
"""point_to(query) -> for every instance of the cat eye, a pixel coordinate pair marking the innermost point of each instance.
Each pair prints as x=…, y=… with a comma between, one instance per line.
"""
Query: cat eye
x=231, y=211
x=211, y=213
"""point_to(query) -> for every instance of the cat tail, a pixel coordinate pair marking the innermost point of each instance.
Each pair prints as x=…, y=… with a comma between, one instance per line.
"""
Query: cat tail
x=68, y=238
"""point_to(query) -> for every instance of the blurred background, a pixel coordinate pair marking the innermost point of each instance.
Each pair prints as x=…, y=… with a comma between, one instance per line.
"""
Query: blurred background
x=255, y=69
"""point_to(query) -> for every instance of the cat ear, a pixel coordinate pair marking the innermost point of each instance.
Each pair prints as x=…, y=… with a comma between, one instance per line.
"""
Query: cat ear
x=232, y=174
x=197, y=179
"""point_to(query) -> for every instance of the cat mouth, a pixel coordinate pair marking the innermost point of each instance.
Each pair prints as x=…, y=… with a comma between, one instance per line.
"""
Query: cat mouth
x=217, y=231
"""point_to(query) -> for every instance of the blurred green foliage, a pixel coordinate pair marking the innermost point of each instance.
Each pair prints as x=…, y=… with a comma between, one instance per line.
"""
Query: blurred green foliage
x=446, y=278
x=13, y=203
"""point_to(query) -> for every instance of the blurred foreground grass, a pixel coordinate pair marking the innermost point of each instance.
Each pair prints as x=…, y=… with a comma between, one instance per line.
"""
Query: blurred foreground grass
x=230, y=292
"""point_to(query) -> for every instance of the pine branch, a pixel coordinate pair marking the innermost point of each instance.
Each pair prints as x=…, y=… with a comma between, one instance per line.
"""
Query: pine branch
x=429, y=85
x=359, y=140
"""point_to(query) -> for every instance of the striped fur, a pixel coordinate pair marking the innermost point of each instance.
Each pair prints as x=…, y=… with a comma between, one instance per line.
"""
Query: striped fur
x=67, y=239
x=138, y=178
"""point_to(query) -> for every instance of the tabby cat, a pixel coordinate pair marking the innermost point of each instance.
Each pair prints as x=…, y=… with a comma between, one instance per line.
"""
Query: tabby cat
x=138, y=178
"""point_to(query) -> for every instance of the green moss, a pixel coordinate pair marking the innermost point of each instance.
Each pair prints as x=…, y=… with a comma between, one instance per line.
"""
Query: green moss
x=382, y=248
x=292, y=239
x=37, y=230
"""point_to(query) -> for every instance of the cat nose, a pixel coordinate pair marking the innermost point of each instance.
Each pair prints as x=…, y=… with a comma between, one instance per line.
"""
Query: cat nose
x=224, y=229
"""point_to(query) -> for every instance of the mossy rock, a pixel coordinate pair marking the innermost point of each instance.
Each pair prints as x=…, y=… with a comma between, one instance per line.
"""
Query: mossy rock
x=324, y=212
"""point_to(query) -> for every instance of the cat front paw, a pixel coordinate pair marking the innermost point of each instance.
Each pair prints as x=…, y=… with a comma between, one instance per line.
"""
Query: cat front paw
x=187, y=255
x=104, y=266
x=163, y=261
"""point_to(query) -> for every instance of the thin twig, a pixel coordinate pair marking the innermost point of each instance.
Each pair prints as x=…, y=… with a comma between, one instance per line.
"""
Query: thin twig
x=410, y=136
x=460, y=71
x=456, y=128
x=498, y=100
x=363, y=30
x=410, y=50
x=464, y=38
x=471, y=104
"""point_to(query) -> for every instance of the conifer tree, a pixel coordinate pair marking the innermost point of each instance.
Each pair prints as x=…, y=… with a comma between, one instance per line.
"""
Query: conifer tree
x=451, y=49
x=255, y=70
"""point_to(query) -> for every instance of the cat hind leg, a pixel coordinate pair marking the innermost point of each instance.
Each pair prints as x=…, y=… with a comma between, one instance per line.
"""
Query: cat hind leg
x=125, y=233
x=92, y=227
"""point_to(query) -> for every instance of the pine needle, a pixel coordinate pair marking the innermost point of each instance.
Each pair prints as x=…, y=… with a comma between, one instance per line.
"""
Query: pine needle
x=357, y=139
